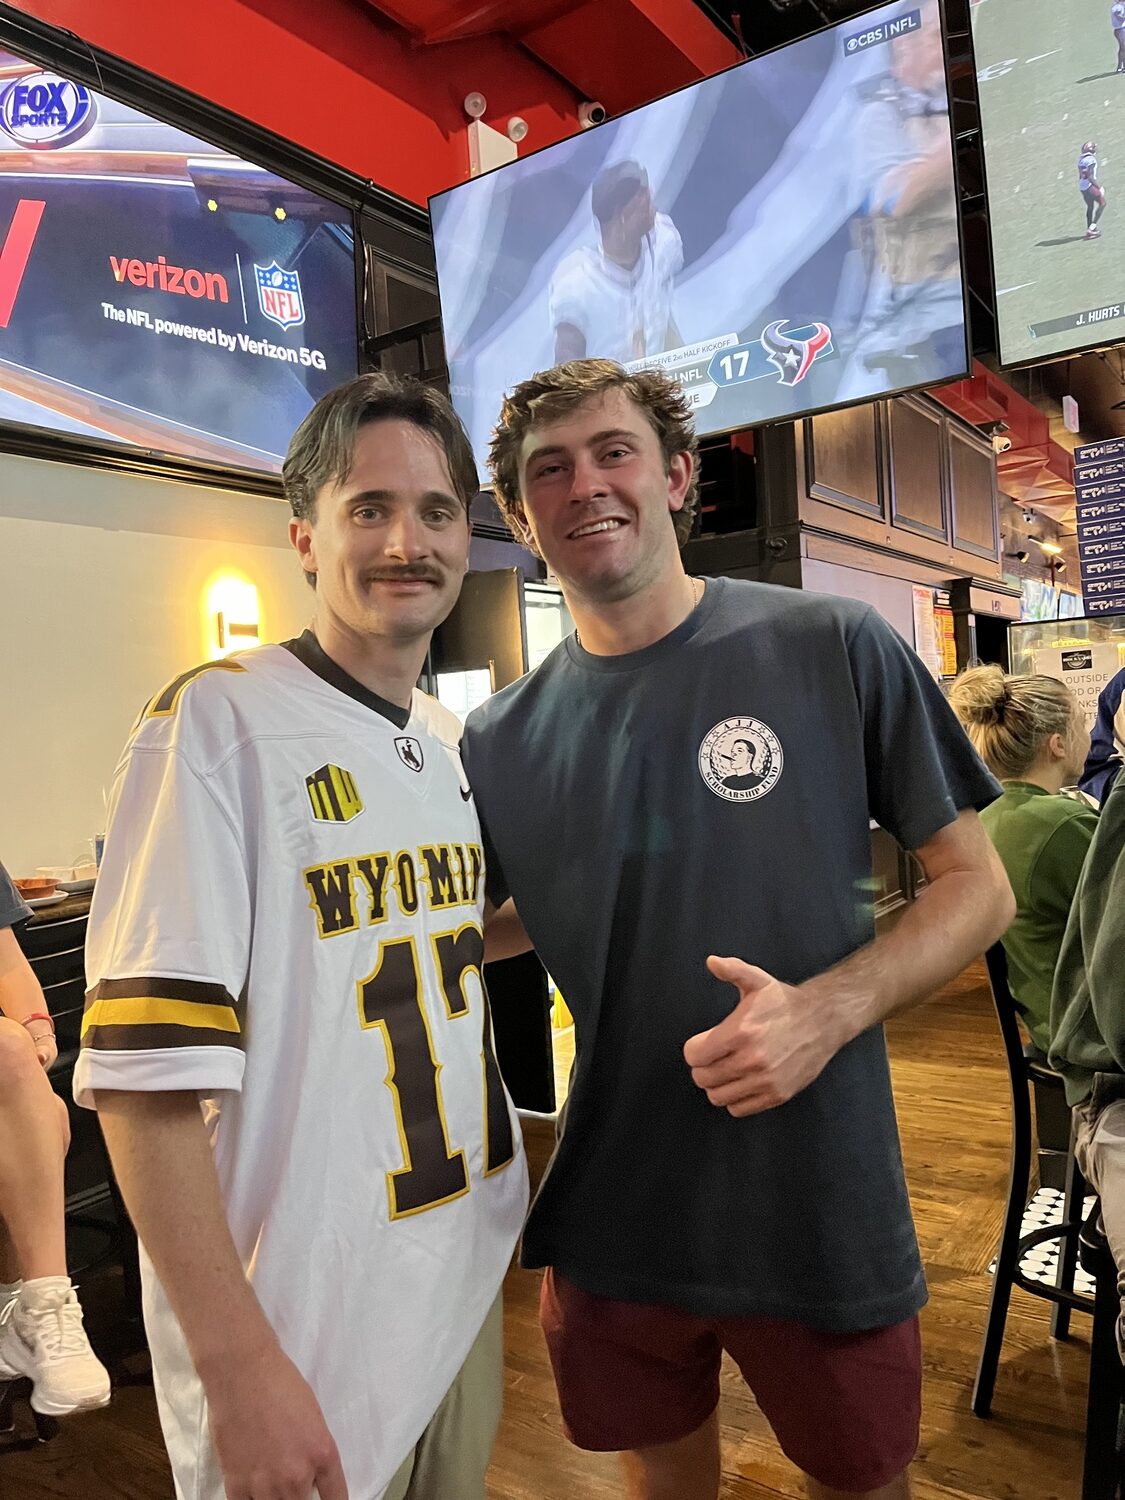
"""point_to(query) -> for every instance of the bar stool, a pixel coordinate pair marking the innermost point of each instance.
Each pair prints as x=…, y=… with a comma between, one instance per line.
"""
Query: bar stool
x=1021, y=1071
x=1100, y=1468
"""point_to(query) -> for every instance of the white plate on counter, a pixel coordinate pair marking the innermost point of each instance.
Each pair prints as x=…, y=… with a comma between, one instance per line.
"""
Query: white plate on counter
x=52, y=900
x=76, y=887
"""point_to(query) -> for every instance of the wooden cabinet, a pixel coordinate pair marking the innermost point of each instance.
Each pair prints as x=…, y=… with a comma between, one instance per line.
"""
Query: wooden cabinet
x=916, y=444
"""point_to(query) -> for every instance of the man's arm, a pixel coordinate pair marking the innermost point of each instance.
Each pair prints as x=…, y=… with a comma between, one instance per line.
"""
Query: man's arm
x=504, y=933
x=570, y=343
x=780, y=1037
x=267, y=1427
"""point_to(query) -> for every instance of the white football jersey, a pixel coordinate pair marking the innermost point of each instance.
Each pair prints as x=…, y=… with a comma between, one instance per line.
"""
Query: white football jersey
x=288, y=920
x=624, y=315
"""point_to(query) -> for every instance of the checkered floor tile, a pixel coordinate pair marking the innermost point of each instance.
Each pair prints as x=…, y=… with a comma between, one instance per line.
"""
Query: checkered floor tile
x=1041, y=1262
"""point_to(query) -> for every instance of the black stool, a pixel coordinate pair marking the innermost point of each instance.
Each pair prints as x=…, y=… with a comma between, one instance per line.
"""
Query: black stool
x=1102, y=1470
x=1021, y=1071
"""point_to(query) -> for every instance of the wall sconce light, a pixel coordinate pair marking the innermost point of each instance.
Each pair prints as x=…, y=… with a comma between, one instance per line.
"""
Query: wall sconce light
x=232, y=613
x=1020, y=556
x=1052, y=549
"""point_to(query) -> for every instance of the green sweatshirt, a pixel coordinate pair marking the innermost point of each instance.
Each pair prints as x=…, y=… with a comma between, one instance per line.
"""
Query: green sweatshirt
x=1088, y=1002
x=1042, y=841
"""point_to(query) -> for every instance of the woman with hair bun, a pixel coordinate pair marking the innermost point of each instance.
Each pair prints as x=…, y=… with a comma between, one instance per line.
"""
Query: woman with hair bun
x=1030, y=733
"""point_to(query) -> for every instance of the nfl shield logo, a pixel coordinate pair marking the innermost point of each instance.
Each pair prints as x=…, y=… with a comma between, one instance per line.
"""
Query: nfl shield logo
x=279, y=295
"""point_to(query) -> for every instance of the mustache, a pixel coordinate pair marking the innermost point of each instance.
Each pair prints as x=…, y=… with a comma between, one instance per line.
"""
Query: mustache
x=412, y=573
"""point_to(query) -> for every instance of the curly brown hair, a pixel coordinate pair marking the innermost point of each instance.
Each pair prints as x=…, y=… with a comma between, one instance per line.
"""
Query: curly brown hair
x=556, y=393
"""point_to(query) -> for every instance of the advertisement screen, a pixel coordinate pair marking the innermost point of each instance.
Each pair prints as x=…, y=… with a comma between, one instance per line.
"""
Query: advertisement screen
x=1053, y=124
x=155, y=291
x=782, y=238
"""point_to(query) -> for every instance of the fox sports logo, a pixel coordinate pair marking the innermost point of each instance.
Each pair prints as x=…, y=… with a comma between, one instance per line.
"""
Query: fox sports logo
x=42, y=111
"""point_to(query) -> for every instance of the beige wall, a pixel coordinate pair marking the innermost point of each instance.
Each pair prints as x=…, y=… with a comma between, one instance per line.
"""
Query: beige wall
x=102, y=602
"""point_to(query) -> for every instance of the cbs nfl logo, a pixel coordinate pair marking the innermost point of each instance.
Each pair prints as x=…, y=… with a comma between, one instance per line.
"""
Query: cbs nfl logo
x=279, y=295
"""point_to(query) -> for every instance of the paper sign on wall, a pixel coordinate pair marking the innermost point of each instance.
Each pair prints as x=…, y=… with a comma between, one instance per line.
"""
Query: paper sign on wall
x=1084, y=669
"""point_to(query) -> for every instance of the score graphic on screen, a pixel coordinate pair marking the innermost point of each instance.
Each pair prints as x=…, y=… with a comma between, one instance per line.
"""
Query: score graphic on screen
x=781, y=238
x=156, y=291
x=1053, y=126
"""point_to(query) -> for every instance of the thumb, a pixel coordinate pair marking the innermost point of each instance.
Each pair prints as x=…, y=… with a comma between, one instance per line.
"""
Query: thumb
x=707, y=1047
x=745, y=977
x=330, y=1482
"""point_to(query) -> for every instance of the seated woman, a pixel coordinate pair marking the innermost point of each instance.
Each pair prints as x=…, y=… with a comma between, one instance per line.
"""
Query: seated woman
x=41, y=1332
x=1088, y=1022
x=1030, y=734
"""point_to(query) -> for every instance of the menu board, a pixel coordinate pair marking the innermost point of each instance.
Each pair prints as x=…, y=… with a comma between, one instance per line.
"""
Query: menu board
x=1099, y=493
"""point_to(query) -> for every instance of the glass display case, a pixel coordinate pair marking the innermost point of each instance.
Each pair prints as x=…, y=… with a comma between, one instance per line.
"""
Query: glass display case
x=1084, y=652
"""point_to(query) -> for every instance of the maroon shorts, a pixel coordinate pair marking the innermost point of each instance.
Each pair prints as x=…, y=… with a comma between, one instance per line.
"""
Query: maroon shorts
x=845, y=1407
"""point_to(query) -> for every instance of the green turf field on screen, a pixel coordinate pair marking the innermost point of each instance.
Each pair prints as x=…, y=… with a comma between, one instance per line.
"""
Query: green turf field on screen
x=1047, y=84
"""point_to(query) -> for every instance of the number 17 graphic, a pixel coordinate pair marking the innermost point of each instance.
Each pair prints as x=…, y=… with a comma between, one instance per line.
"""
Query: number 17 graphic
x=16, y=253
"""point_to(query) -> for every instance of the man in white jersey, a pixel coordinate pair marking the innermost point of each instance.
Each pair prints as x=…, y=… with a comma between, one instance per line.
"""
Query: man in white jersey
x=615, y=299
x=286, y=1032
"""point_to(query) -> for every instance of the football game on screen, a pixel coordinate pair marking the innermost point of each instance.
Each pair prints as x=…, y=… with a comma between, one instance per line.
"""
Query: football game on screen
x=1051, y=79
x=782, y=238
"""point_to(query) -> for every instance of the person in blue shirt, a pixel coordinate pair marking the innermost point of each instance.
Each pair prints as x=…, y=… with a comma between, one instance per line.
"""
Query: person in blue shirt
x=1107, y=739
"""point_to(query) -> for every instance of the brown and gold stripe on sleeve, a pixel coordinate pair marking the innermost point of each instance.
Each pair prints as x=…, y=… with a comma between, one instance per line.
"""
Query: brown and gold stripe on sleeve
x=149, y=1013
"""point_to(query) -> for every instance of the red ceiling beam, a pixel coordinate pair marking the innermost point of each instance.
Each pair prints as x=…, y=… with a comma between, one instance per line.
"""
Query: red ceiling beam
x=621, y=52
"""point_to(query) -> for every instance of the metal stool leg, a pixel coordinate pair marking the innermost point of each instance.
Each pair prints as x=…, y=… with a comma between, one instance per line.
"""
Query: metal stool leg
x=1073, y=1200
x=1099, y=1466
x=1006, y=1259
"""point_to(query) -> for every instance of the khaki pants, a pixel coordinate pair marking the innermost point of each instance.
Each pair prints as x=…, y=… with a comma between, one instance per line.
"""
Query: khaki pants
x=451, y=1457
x=1099, y=1145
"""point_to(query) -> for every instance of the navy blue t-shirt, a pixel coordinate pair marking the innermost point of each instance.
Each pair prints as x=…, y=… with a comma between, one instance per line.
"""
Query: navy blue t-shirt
x=13, y=908
x=712, y=794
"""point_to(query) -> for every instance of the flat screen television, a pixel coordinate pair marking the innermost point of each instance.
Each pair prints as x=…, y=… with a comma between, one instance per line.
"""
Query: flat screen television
x=782, y=238
x=157, y=292
x=1052, y=117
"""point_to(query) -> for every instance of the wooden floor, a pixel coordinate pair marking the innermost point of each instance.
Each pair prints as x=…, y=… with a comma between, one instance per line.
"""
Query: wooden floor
x=950, y=1088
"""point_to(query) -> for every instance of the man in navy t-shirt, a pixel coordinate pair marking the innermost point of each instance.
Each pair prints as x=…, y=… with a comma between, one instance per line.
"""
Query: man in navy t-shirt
x=679, y=801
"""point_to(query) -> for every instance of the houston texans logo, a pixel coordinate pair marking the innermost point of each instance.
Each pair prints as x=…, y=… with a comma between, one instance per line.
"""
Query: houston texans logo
x=793, y=357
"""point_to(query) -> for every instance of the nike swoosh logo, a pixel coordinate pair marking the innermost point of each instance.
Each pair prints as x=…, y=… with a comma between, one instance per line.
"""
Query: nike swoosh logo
x=466, y=794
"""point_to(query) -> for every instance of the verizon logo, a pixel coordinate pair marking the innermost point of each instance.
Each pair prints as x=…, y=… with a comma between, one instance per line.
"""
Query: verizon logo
x=161, y=277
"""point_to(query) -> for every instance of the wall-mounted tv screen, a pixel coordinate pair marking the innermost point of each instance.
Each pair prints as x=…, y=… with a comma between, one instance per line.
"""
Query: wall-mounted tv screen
x=155, y=291
x=782, y=238
x=1053, y=126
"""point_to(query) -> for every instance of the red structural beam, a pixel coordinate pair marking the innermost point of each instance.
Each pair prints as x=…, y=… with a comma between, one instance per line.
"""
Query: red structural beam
x=357, y=83
x=621, y=52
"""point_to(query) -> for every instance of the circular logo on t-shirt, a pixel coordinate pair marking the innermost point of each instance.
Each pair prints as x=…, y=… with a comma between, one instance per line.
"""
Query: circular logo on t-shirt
x=741, y=759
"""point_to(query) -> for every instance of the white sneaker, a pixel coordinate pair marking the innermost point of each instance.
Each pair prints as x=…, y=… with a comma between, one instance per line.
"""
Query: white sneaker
x=8, y=1299
x=42, y=1337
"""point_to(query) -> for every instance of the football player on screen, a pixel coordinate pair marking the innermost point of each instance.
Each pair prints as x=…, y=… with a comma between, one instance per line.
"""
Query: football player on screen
x=615, y=299
x=1093, y=194
x=1117, y=21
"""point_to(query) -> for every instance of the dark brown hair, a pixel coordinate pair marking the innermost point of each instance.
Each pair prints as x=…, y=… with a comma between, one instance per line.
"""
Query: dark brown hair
x=556, y=393
x=321, y=449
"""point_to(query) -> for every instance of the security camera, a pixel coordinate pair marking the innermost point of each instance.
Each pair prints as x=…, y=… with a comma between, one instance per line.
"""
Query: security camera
x=475, y=105
x=517, y=129
x=1001, y=442
x=1028, y=516
x=591, y=113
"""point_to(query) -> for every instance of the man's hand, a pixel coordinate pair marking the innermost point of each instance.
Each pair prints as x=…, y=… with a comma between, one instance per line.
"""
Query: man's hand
x=770, y=1047
x=271, y=1437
